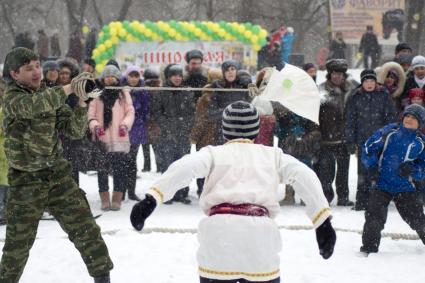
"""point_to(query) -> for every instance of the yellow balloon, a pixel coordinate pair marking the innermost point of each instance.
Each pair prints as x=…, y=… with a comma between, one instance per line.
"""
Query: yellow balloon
x=101, y=34
x=172, y=32
x=221, y=33
x=248, y=34
x=148, y=33
x=122, y=33
x=241, y=28
x=108, y=44
x=99, y=68
x=114, y=40
x=198, y=32
x=179, y=37
x=254, y=39
x=262, y=33
x=256, y=47
x=113, y=32
x=95, y=53
x=85, y=29
x=129, y=38
x=101, y=48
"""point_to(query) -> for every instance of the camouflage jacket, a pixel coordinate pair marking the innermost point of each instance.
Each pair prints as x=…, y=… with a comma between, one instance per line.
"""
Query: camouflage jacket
x=33, y=121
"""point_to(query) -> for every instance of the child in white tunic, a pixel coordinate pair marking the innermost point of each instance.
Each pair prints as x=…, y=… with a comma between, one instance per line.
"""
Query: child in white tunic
x=240, y=240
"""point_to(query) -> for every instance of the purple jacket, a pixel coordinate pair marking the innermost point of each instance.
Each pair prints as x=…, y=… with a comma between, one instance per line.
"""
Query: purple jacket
x=141, y=104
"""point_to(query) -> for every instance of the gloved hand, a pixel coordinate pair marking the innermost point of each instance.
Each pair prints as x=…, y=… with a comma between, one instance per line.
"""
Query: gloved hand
x=122, y=131
x=84, y=86
x=326, y=238
x=99, y=131
x=406, y=169
x=359, y=55
x=373, y=175
x=141, y=211
x=253, y=90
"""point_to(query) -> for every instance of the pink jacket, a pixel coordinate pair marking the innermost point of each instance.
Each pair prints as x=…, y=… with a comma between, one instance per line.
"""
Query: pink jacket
x=122, y=115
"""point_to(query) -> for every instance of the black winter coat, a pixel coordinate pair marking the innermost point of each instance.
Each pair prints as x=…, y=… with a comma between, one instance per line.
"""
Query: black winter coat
x=403, y=99
x=174, y=112
x=331, y=115
x=369, y=43
x=366, y=112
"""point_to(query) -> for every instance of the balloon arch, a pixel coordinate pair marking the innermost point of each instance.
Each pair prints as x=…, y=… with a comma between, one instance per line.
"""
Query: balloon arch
x=115, y=32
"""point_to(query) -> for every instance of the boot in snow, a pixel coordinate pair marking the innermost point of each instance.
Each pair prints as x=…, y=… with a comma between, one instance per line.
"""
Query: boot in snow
x=289, y=196
x=102, y=279
x=116, y=201
x=105, y=200
x=132, y=194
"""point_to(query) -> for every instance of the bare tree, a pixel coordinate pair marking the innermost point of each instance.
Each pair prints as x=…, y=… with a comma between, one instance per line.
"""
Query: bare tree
x=75, y=13
x=415, y=23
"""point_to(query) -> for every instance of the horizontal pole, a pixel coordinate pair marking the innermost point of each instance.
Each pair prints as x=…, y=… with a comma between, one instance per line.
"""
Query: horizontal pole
x=179, y=88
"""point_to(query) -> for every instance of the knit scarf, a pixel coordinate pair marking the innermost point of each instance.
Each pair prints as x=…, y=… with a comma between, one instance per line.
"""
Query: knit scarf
x=108, y=97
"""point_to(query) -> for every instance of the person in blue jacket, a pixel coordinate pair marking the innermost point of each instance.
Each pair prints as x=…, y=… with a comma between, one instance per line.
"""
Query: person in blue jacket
x=396, y=153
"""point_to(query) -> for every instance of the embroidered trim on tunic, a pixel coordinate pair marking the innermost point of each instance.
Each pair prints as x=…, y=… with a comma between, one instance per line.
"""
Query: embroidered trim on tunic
x=232, y=273
x=321, y=212
x=161, y=195
x=239, y=141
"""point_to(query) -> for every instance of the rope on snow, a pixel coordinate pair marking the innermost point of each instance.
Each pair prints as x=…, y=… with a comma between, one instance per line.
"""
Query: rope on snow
x=148, y=230
x=165, y=230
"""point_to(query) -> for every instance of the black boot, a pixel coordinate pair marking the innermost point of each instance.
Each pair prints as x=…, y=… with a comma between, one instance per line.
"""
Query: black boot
x=132, y=194
x=102, y=279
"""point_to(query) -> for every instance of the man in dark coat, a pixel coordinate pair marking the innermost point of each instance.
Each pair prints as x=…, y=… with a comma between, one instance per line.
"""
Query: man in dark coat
x=174, y=112
x=331, y=117
x=368, y=109
x=370, y=47
x=194, y=74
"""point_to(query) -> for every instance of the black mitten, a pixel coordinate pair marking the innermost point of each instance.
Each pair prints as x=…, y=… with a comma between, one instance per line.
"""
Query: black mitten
x=90, y=86
x=326, y=238
x=406, y=169
x=72, y=100
x=141, y=211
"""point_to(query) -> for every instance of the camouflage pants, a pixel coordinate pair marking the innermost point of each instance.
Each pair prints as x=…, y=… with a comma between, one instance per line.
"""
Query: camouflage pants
x=29, y=194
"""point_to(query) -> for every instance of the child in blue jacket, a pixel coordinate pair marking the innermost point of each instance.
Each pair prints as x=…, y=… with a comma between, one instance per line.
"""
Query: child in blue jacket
x=395, y=157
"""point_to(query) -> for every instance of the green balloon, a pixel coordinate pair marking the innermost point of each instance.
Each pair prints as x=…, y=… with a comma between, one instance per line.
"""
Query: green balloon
x=105, y=29
x=256, y=29
x=263, y=41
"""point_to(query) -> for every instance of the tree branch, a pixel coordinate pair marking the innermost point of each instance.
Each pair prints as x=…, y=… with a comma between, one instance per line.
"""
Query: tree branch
x=98, y=14
x=7, y=19
x=124, y=9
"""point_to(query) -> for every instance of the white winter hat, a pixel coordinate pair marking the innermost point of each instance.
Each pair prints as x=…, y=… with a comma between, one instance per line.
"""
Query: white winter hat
x=418, y=61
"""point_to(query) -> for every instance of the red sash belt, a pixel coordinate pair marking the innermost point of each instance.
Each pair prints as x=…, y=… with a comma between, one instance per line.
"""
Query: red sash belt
x=246, y=209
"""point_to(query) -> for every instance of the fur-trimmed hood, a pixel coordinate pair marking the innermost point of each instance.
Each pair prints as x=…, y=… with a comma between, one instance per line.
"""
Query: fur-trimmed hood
x=383, y=72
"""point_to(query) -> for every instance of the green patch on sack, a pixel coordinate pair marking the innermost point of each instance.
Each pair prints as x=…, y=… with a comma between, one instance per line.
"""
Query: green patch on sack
x=287, y=83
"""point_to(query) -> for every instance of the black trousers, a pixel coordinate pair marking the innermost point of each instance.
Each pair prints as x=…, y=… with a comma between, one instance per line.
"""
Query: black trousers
x=407, y=204
x=146, y=157
x=374, y=57
x=364, y=184
x=132, y=168
x=329, y=156
x=169, y=151
x=207, y=280
x=119, y=164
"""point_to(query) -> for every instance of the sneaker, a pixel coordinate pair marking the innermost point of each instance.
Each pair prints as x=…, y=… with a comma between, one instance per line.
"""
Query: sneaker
x=169, y=201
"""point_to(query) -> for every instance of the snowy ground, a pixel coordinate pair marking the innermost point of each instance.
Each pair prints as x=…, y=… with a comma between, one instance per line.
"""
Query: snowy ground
x=166, y=257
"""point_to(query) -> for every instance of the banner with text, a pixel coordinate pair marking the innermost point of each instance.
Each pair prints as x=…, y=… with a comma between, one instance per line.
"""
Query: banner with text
x=387, y=17
x=155, y=54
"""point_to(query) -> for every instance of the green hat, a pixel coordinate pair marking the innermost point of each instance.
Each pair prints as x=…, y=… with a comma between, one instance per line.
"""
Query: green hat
x=16, y=58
